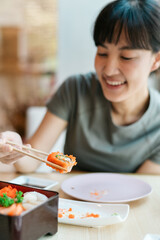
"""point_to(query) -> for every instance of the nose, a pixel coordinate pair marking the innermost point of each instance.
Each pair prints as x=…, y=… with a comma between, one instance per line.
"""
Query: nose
x=111, y=66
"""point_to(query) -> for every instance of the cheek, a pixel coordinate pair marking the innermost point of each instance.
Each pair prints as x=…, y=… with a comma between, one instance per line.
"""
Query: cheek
x=139, y=66
x=98, y=64
x=131, y=69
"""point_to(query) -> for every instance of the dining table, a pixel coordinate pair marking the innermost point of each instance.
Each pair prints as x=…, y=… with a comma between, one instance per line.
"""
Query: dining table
x=143, y=217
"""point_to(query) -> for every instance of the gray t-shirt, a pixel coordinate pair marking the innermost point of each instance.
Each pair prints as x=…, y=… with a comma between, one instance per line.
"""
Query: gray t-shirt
x=98, y=144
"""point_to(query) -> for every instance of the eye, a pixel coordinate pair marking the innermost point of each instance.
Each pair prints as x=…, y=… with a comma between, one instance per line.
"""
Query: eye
x=102, y=54
x=126, y=58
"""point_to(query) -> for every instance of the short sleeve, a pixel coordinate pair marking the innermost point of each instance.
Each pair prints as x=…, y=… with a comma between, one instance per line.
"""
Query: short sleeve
x=61, y=103
x=155, y=155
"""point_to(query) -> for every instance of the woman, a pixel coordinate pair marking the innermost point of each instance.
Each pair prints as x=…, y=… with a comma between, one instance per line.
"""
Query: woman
x=112, y=117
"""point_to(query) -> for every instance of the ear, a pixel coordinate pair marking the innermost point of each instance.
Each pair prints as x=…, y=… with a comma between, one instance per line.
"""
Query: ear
x=156, y=63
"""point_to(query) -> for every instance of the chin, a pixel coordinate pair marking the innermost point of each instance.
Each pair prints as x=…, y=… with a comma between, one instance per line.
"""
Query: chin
x=114, y=99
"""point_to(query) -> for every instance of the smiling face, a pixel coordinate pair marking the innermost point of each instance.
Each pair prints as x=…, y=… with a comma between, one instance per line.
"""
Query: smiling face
x=123, y=71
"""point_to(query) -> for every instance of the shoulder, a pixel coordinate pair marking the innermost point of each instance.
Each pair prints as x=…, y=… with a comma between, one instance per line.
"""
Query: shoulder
x=154, y=92
x=81, y=85
x=152, y=115
x=82, y=80
x=154, y=98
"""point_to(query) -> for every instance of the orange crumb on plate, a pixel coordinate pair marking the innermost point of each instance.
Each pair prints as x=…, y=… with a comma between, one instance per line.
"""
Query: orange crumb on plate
x=95, y=193
x=60, y=215
x=71, y=216
x=92, y=215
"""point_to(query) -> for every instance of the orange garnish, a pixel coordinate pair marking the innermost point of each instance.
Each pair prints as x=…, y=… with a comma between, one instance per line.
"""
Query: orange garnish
x=60, y=215
x=71, y=216
x=10, y=192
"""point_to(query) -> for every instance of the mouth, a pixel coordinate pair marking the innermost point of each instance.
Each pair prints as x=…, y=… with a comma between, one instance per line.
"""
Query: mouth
x=115, y=83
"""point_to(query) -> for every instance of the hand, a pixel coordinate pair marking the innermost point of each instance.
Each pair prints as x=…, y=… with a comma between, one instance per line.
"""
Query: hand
x=7, y=154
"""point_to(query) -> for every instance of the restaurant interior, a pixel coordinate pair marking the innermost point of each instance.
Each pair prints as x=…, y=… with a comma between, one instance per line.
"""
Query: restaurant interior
x=40, y=46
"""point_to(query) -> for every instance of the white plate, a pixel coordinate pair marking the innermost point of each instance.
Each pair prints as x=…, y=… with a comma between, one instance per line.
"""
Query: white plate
x=108, y=213
x=106, y=187
x=34, y=182
x=152, y=237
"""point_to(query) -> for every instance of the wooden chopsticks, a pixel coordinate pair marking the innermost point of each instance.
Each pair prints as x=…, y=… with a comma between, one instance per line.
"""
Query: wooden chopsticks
x=32, y=155
x=27, y=148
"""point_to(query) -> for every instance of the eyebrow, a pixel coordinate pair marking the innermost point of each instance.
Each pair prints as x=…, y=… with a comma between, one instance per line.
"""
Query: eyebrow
x=121, y=48
x=127, y=48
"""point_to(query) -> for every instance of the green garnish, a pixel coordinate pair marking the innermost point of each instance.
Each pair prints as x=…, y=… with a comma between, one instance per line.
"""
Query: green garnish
x=115, y=214
x=63, y=157
x=6, y=201
x=60, y=156
x=19, y=197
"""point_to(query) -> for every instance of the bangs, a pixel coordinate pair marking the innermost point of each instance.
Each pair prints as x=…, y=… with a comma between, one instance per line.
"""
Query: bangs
x=112, y=21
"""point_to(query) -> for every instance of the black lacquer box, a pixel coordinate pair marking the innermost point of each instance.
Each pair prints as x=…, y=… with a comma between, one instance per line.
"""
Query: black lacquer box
x=31, y=224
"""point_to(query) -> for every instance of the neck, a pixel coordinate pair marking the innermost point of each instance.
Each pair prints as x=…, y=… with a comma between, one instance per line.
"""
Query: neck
x=130, y=111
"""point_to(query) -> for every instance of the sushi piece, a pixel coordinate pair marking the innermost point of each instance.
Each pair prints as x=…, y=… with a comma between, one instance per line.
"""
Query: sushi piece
x=65, y=161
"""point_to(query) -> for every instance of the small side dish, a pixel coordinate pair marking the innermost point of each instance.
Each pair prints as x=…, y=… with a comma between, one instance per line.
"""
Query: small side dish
x=36, y=182
x=89, y=214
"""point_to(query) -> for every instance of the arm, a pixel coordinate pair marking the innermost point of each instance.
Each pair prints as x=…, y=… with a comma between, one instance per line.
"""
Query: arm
x=149, y=167
x=43, y=139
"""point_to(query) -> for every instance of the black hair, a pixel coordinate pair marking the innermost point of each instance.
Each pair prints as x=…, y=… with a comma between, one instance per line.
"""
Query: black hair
x=140, y=20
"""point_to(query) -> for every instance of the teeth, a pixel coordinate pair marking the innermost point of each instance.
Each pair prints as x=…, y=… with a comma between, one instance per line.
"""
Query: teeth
x=115, y=83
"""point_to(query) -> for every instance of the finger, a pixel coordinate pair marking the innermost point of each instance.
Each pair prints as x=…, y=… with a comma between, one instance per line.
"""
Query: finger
x=9, y=156
x=11, y=136
x=7, y=159
x=6, y=148
x=11, y=161
x=2, y=142
x=27, y=145
x=16, y=155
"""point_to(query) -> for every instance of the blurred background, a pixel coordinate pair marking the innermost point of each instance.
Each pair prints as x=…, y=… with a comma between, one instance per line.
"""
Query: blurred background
x=41, y=43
